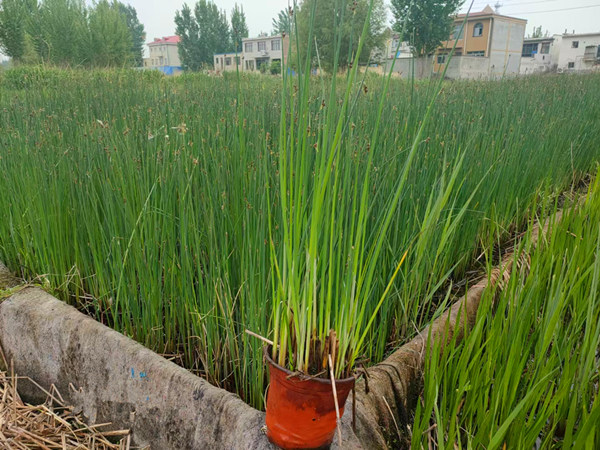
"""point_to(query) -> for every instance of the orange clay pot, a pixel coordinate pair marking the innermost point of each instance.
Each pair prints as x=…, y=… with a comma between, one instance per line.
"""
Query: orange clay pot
x=301, y=410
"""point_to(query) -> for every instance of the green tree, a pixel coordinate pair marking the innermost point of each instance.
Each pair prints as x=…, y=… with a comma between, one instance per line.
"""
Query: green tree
x=339, y=23
x=203, y=33
x=37, y=49
x=538, y=33
x=282, y=24
x=136, y=29
x=110, y=38
x=239, y=28
x=190, y=46
x=424, y=23
x=64, y=33
x=13, y=28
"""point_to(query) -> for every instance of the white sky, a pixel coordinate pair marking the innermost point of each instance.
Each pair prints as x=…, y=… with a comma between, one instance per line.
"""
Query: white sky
x=579, y=15
x=554, y=16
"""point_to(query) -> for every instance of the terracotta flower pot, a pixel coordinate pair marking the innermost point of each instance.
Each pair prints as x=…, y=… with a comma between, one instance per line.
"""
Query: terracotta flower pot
x=301, y=410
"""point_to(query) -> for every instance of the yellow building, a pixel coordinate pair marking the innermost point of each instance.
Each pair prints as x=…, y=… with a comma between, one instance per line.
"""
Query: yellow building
x=488, y=46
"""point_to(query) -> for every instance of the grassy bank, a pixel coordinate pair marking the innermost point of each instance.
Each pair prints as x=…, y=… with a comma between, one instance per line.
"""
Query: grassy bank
x=527, y=374
x=144, y=200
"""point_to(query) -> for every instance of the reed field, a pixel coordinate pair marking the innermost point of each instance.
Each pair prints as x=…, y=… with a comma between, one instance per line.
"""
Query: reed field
x=527, y=374
x=156, y=206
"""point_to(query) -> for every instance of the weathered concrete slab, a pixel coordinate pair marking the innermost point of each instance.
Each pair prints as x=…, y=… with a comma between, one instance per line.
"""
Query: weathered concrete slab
x=120, y=381
x=111, y=378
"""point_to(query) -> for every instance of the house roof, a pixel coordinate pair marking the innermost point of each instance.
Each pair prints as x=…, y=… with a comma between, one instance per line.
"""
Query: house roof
x=486, y=12
x=541, y=39
x=166, y=40
x=262, y=38
x=567, y=35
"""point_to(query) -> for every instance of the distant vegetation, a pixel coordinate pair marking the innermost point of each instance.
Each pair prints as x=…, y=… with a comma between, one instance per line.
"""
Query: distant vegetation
x=70, y=33
x=205, y=30
x=424, y=24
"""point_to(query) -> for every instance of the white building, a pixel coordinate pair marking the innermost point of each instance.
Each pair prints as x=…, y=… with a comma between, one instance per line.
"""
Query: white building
x=258, y=53
x=225, y=62
x=164, y=55
x=263, y=50
x=393, y=47
x=561, y=53
x=576, y=52
x=536, y=56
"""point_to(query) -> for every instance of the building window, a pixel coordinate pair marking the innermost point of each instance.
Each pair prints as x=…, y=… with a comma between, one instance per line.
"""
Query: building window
x=441, y=59
x=275, y=44
x=227, y=61
x=571, y=65
x=575, y=44
x=262, y=46
x=458, y=32
x=248, y=47
x=237, y=60
x=480, y=53
x=250, y=65
x=529, y=50
x=598, y=54
x=545, y=48
x=478, y=30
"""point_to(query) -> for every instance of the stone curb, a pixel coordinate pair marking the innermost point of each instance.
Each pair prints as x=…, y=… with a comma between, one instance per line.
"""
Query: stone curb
x=111, y=378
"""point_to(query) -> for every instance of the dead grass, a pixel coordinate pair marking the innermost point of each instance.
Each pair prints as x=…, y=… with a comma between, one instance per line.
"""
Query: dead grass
x=51, y=425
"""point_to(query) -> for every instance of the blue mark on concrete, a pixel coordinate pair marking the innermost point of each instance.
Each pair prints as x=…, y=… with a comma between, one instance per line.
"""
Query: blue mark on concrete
x=142, y=374
x=132, y=373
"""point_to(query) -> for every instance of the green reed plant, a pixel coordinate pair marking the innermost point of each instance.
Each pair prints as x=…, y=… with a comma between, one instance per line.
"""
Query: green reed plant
x=80, y=153
x=332, y=237
x=526, y=376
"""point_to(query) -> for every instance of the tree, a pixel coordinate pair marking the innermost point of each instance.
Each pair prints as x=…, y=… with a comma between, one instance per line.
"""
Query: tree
x=12, y=28
x=189, y=46
x=67, y=32
x=282, y=24
x=136, y=29
x=424, y=23
x=239, y=28
x=538, y=33
x=340, y=19
x=110, y=38
x=203, y=33
x=64, y=33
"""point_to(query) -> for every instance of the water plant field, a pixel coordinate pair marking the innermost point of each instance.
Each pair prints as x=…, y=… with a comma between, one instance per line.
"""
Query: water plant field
x=147, y=201
x=527, y=375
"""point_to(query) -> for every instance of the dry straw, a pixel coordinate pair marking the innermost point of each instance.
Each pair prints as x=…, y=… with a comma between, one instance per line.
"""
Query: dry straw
x=51, y=425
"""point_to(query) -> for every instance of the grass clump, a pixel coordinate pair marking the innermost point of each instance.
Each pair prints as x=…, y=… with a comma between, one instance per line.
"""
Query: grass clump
x=526, y=376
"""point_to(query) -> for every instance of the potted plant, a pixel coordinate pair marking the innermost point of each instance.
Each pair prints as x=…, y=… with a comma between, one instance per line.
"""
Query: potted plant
x=324, y=263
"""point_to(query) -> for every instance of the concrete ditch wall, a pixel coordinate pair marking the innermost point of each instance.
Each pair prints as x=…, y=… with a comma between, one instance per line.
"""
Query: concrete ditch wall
x=111, y=378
